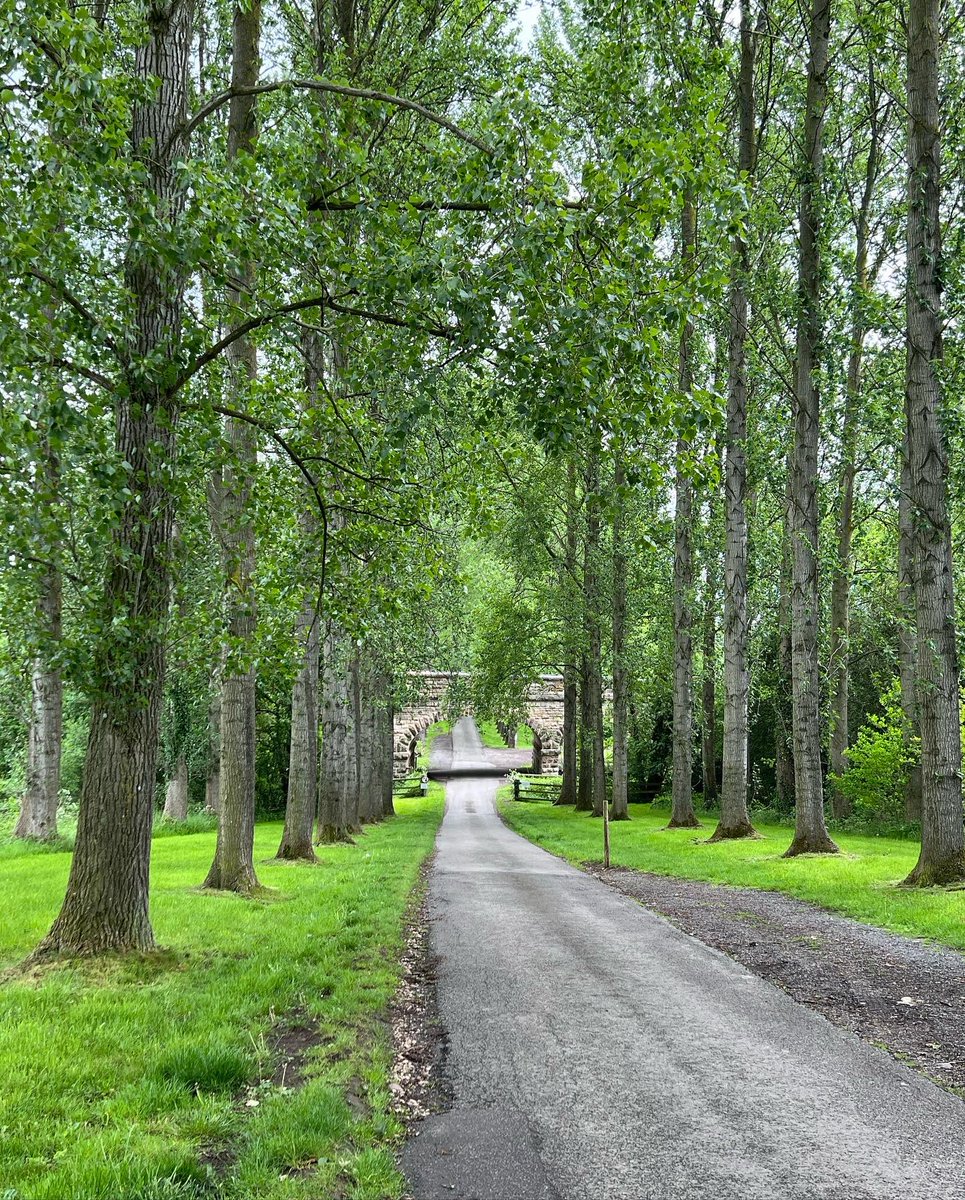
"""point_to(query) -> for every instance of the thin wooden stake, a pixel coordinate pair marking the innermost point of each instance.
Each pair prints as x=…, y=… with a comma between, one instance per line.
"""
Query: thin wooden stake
x=606, y=834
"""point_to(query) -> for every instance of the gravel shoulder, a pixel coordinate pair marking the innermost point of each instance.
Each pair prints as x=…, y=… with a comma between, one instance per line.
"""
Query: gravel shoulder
x=903, y=994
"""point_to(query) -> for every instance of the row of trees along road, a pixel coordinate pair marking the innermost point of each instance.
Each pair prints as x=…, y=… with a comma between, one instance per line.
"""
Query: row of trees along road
x=313, y=309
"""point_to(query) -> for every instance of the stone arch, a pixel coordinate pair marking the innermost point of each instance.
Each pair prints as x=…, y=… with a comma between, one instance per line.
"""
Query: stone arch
x=410, y=729
x=546, y=746
x=542, y=712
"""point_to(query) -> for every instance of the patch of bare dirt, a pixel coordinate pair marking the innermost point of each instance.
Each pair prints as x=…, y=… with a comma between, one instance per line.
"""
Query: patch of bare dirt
x=904, y=994
x=417, y=1083
x=292, y=1041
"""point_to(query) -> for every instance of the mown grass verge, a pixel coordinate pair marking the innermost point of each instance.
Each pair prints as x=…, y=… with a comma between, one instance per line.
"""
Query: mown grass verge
x=492, y=738
x=861, y=881
x=157, y=1078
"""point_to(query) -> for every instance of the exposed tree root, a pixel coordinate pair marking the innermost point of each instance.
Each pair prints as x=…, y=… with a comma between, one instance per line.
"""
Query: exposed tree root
x=945, y=873
x=294, y=856
x=728, y=833
x=811, y=844
x=330, y=835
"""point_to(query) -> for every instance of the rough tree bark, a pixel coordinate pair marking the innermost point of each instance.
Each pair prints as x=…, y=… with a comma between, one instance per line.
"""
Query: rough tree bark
x=106, y=904
x=734, y=819
x=708, y=690
x=296, y=839
x=841, y=586
x=370, y=795
x=233, y=866
x=841, y=582
x=594, y=635
x=783, y=747
x=621, y=811
x=682, y=813
x=810, y=833
x=332, y=826
x=303, y=756
x=584, y=736
x=176, y=792
x=351, y=760
x=38, y=809
x=907, y=638
x=942, y=857
x=708, y=685
x=387, y=743
x=570, y=670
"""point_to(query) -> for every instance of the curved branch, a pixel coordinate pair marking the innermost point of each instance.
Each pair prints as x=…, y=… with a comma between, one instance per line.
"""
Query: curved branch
x=68, y=364
x=237, y=415
x=449, y=332
x=68, y=297
x=321, y=204
x=338, y=89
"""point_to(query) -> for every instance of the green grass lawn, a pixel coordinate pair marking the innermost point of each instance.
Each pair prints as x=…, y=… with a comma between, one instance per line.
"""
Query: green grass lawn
x=861, y=881
x=438, y=729
x=126, y=1079
x=492, y=737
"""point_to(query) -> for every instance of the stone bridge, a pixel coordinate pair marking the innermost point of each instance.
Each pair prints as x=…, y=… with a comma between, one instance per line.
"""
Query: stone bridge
x=543, y=714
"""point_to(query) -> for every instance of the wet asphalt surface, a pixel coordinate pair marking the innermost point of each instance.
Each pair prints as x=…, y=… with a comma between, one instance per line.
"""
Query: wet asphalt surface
x=595, y=1052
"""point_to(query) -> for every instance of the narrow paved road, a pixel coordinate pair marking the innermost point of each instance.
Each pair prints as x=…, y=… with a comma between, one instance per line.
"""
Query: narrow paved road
x=597, y=1053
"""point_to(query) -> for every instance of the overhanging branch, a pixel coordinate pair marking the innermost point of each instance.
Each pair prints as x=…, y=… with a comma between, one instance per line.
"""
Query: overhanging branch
x=448, y=332
x=338, y=89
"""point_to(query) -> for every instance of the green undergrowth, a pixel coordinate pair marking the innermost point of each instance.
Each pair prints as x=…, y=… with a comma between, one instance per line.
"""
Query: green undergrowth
x=197, y=821
x=158, y=1077
x=861, y=881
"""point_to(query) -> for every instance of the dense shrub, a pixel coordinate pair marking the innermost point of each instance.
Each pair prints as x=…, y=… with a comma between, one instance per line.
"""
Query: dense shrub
x=878, y=764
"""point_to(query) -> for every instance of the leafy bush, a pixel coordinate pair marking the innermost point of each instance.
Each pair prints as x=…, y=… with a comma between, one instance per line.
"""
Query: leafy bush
x=194, y=822
x=878, y=764
x=74, y=749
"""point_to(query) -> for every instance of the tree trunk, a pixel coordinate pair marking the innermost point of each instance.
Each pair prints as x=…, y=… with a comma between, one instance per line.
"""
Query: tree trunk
x=296, y=840
x=350, y=766
x=570, y=670
x=106, y=904
x=708, y=695
x=621, y=811
x=598, y=741
x=810, y=834
x=942, y=858
x=38, y=809
x=841, y=588
x=370, y=795
x=783, y=748
x=332, y=826
x=584, y=733
x=734, y=819
x=841, y=583
x=568, y=783
x=594, y=635
x=907, y=639
x=682, y=798
x=233, y=865
x=387, y=745
x=176, y=793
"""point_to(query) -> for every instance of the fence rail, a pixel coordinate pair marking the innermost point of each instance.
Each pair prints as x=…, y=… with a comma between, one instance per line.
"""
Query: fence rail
x=537, y=787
